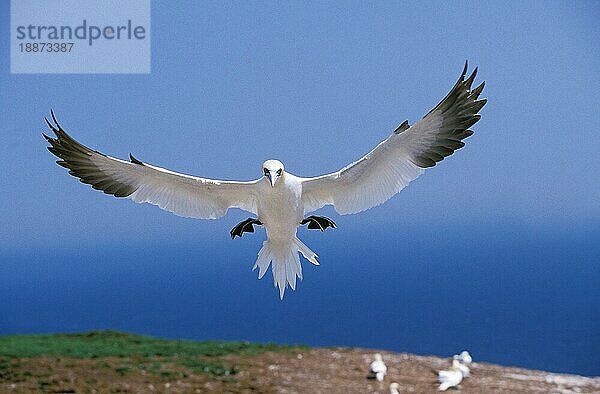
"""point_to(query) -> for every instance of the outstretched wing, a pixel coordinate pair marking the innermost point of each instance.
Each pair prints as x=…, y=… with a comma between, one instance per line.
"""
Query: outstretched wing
x=184, y=195
x=402, y=157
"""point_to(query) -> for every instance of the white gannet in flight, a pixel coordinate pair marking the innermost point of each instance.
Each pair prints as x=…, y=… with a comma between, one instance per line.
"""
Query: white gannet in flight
x=451, y=377
x=279, y=199
x=378, y=369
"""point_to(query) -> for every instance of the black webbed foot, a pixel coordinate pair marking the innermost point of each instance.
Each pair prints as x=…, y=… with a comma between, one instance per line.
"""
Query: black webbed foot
x=318, y=223
x=247, y=226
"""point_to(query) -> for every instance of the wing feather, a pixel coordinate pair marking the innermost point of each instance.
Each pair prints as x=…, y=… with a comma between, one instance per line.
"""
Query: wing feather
x=184, y=195
x=402, y=157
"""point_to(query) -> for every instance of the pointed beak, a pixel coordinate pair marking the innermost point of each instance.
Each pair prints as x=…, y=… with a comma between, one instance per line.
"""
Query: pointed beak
x=272, y=179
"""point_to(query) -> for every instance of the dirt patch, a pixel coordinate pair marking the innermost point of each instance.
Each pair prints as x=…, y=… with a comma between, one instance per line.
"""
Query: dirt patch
x=311, y=371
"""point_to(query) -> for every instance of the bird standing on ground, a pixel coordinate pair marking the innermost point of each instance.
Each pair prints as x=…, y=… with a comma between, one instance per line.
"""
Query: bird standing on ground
x=378, y=369
x=394, y=388
x=450, y=378
x=280, y=200
x=464, y=358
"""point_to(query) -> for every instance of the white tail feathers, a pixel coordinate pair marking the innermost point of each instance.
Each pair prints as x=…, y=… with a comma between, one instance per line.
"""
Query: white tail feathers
x=286, y=262
x=306, y=252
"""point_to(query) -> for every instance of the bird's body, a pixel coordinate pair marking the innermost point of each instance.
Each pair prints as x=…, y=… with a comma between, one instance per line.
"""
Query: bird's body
x=450, y=378
x=280, y=208
x=280, y=200
x=378, y=369
x=466, y=371
x=464, y=359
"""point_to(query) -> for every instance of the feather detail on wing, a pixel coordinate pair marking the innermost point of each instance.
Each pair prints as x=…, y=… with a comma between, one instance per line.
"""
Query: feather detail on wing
x=184, y=195
x=402, y=157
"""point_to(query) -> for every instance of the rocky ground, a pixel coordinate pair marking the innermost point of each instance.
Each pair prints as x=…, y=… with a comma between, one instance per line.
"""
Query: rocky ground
x=331, y=370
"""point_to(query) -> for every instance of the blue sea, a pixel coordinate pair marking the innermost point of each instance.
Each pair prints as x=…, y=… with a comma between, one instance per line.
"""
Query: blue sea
x=512, y=295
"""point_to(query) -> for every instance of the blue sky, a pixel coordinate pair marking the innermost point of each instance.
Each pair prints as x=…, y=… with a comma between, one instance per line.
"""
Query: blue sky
x=509, y=224
x=317, y=86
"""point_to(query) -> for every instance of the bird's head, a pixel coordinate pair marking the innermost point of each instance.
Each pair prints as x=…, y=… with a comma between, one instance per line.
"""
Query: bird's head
x=378, y=357
x=273, y=170
x=466, y=357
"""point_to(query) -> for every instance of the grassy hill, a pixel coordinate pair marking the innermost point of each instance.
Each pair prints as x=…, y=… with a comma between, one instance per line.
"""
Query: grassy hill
x=24, y=358
x=196, y=356
x=117, y=362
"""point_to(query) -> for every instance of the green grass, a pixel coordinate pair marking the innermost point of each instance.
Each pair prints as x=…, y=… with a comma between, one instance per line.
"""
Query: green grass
x=197, y=356
x=119, y=344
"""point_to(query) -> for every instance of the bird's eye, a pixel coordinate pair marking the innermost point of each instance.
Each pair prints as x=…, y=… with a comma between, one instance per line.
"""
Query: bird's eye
x=266, y=172
x=279, y=172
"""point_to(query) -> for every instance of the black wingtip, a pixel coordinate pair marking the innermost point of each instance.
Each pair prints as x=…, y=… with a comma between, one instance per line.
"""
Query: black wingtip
x=54, y=118
x=403, y=127
x=474, y=73
x=50, y=125
x=477, y=91
x=464, y=72
x=471, y=78
x=134, y=160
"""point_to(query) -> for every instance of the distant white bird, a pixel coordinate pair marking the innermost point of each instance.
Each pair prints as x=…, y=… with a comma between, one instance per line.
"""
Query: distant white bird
x=394, y=388
x=464, y=357
x=378, y=369
x=279, y=199
x=451, y=377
